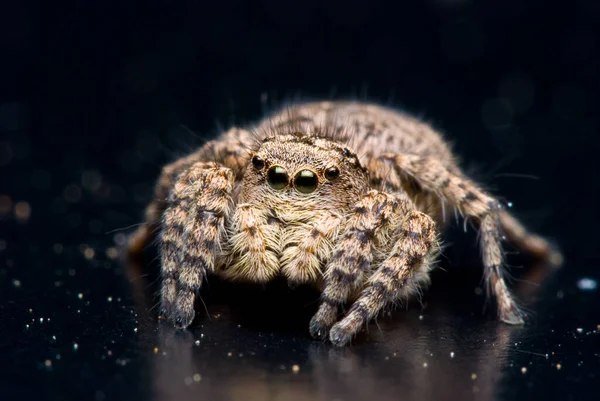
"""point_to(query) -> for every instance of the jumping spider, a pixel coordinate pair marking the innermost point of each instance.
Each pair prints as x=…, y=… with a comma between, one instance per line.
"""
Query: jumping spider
x=346, y=196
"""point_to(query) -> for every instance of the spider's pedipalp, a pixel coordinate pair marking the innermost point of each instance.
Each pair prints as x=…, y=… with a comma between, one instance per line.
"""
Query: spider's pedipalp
x=254, y=244
x=192, y=226
x=399, y=276
x=310, y=245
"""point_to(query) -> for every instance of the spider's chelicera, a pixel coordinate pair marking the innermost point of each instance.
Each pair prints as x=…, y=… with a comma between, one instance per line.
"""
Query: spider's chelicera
x=348, y=197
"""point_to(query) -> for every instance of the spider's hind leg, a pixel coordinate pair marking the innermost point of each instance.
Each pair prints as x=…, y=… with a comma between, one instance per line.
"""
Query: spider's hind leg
x=477, y=206
x=532, y=243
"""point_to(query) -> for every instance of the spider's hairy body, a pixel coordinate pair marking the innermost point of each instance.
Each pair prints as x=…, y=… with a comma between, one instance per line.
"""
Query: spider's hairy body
x=347, y=196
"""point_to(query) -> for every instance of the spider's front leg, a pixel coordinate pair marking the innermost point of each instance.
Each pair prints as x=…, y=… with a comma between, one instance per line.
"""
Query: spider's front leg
x=147, y=231
x=374, y=218
x=229, y=150
x=399, y=276
x=192, y=227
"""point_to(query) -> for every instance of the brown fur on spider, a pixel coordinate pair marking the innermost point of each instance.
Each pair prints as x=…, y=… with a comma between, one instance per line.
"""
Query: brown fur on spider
x=347, y=196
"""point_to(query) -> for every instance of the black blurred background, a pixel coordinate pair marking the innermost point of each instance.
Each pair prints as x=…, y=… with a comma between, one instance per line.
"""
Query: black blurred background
x=118, y=88
x=96, y=96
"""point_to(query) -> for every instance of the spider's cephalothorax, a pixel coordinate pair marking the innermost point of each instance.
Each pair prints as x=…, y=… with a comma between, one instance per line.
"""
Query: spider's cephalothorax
x=347, y=196
x=291, y=203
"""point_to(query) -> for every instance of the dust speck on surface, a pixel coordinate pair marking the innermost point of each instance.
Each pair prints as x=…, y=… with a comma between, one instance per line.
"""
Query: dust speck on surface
x=112, y=253
x=89, y=253
x=22, y=211
x=5, y=204
x=587, y=284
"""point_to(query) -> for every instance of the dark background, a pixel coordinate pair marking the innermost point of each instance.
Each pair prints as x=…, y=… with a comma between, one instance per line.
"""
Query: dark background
x=96, y=96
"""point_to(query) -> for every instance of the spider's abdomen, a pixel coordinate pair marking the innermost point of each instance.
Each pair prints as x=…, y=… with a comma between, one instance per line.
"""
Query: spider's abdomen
x=369, y=129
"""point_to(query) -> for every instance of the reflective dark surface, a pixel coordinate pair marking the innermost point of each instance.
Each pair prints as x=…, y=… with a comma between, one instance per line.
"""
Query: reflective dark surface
x=77, y=330
x=95, y=98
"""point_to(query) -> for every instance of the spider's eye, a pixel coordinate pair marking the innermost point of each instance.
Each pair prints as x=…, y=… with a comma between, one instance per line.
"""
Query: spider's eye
x=306, y=181
x=257, y=162
x=277, y=177
x=332, y=173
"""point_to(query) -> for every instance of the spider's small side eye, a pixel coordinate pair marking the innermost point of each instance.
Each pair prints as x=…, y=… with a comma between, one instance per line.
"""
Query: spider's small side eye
x=306, y=181
x=332, y=173
x=257, y=162
x=277, y=177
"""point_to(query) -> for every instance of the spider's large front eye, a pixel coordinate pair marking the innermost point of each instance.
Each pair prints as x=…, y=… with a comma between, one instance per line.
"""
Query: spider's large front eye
x=277, y=177
x=306, y=181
